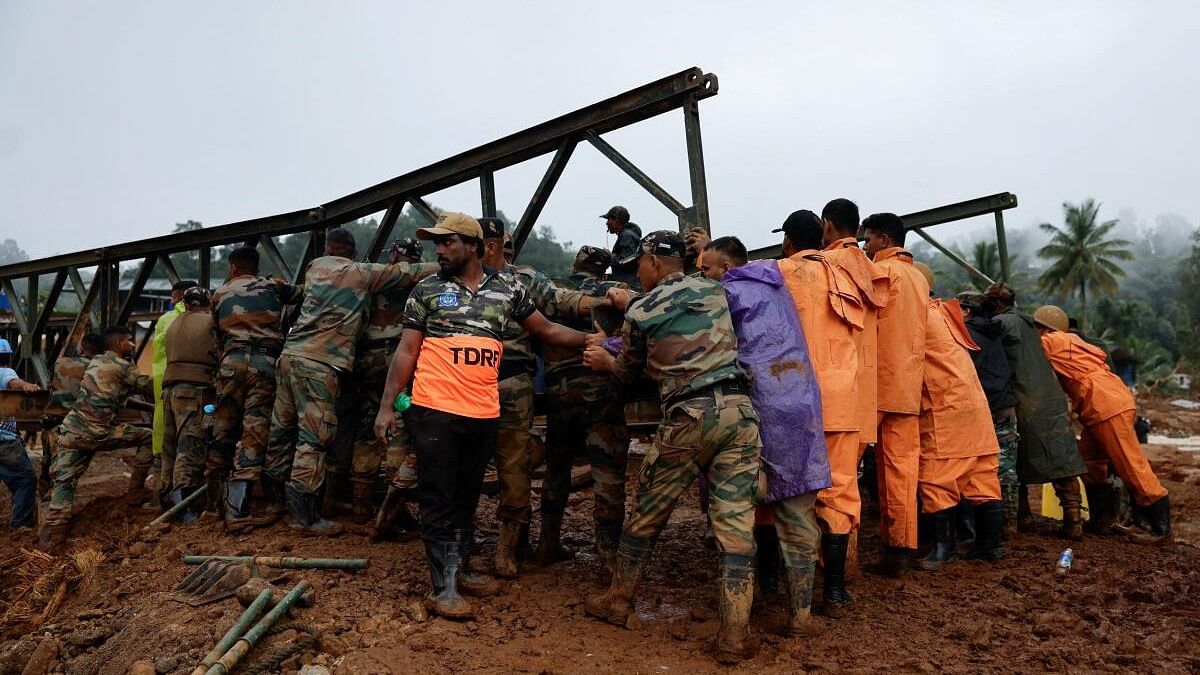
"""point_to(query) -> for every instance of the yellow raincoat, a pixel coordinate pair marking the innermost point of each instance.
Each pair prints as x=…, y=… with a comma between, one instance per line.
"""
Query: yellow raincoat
x=159, y=366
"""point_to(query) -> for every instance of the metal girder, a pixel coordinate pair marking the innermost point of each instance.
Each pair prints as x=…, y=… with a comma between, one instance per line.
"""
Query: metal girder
x=146, y=339
x=487, y=193
x=542, y=194
x=1002, y=246
x=60, y=280
x=275, y=256
x=87, y=297
x=695, y=150
x=25, y=328
x=952, y=255
x=638, y=176
x=927, y=218
x=385, y=229
x=169, y=268
x=424, y=208
x=314, y=249
x=135, y=290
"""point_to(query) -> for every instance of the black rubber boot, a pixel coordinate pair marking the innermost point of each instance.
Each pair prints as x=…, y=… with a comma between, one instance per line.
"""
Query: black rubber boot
x=767, y=562
x=945, y=524
x=1160, y=517
x=237, y=502
x=835, y=599
x=735, y=642
x=965, y=523
x=616, y=605
x=1102, y=508
x=189, y=514
x=799, y=580
x=470, y=583
x=444, y=565
x=895, y=562
x=989, y=542
x=305, y=518
x=550, y=549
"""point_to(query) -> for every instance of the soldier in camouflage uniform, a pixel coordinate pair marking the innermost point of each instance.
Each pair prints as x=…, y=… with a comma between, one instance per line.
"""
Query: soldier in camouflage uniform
x=514, y=450
x=319, y=349
x=680, y=333
x=192, y=356
x=450, y=352
x=247, y=313
x=381, y=334
x=584, y=411
x=91, y=426
x=629, y=237
x=64, y=388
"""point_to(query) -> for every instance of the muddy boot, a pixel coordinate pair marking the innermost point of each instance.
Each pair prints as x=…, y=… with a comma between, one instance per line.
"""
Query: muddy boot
x=735, y=642
x=472, y=583
x=444, y=566
x=989, y=540
x=237, y=506
x=214, y=500
x=52, y=538
x=275, y=495
x=391, y=513
x=1024, y=513
x=799, y=580
x=550, y=549
x=1160, y=518
x=1072, y=508
x=616, y=605
x=1012, y=508
x=608, y=537
x=767, y=559
x=835, y=599
x=895, y=562
x=137, y=494
x=965, y=523
x=362, y=507
x=1102, y=508
x=304, y=516
x=945, y=526
x=506, y=549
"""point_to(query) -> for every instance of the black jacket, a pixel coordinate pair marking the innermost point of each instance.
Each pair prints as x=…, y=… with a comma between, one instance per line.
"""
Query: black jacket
x=991, y=364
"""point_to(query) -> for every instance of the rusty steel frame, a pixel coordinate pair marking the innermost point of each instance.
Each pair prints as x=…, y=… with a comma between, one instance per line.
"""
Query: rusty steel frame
x=37, y=347
x=920, y=220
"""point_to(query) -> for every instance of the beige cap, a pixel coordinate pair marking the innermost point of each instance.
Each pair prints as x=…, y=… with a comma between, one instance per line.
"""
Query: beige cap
x=452, y=223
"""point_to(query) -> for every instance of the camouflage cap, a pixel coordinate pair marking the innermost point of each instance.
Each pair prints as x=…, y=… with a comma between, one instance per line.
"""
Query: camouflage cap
x=197, y=296
x=452, y=223
x=662, y=243
x=493, y=228
x=409, y=247
x=593, y=256
x=618, y=212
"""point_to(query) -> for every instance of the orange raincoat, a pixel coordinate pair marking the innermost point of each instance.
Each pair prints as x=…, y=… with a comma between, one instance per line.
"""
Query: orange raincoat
x=959, y=451
x=832, y=314
x=901, y=356
x=1106, y=409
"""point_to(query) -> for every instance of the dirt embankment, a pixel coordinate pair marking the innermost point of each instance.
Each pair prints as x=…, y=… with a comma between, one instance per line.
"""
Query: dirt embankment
x=1123, y=608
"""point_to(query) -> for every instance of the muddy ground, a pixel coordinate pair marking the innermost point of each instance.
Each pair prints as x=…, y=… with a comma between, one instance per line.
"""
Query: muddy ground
x=1124, y=606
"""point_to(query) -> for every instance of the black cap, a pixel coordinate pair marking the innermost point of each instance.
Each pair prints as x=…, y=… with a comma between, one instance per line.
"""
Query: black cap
x=662, y=243
x=593, y=256
x=797, y=221
x=493, y=228
x=619, y=212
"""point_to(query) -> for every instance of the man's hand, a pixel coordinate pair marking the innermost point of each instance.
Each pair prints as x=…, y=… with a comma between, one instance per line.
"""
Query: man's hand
x=385, y=424
x=597, y=358
x=596, y=339
x=696, y=240
x=618, y=298
x=26, y=386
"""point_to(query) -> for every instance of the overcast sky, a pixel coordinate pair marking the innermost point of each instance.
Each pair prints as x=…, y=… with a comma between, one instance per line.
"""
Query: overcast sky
x=118, y=119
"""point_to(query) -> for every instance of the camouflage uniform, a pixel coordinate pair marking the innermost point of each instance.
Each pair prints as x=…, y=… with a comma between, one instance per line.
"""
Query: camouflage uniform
x=192, y=357
x=91, y=426
x=585, y=411
x=319, y=348
x=1010, y=442
x=64, y=388
x=247, y=312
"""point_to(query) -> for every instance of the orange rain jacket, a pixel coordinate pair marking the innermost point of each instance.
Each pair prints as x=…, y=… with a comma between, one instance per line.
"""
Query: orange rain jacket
x=901, y=333
x=1096, y=393
x=956, y=420
x=871, y=285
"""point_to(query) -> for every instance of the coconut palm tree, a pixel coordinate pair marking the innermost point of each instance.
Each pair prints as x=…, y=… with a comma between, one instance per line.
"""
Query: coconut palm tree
x=985, y=256
x=1080, y=256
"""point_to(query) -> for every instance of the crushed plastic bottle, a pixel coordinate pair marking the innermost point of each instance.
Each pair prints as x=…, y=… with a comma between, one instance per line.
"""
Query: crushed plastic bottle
x=403, y=402
x=1064, y=562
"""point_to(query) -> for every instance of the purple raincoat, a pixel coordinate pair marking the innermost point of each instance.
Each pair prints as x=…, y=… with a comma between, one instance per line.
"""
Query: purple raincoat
x=783, y=387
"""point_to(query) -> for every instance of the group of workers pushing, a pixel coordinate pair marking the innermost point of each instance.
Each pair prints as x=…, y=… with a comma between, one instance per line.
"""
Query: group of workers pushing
x=774, y=379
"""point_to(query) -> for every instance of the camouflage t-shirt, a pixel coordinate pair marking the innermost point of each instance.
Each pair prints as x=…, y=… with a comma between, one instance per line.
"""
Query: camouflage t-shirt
x=558, y=358
x=107, y=384
x=681, y=334
x=64, y=387
x=337, y=296
x=387, y=313
x=554, y=302
x=459, y=363
x=247, y=311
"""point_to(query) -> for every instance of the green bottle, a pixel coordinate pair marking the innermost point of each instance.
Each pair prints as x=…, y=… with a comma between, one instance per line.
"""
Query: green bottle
x=403, y=402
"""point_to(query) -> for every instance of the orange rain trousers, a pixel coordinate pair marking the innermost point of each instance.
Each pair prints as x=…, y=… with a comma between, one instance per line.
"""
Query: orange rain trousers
x=1114, y=442
x=839, y=506
x=898, y=460
x=945, y=482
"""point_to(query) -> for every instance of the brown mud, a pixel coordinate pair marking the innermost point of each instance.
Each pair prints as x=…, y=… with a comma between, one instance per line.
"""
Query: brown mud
x=1124, y=607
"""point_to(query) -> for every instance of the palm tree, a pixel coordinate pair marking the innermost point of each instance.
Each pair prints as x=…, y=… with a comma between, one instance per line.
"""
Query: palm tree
x=1081, y=258
x=985, y=256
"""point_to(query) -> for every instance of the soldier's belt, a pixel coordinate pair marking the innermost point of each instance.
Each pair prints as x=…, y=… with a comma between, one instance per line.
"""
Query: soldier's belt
x=270, y=349
x=724, y=387
x=389, y=344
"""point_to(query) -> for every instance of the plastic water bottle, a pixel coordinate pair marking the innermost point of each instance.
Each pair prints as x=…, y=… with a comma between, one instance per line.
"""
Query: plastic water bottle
x=209, y=408
x=1064, y=562
x=403, y=402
